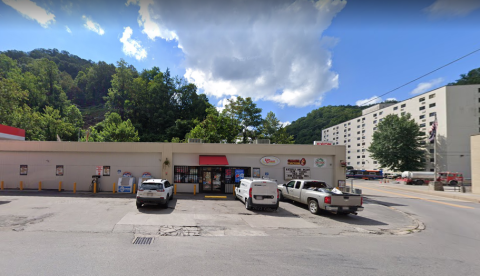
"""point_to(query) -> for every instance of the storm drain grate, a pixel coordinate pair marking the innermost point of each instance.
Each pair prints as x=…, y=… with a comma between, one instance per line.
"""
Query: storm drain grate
x=143, y=240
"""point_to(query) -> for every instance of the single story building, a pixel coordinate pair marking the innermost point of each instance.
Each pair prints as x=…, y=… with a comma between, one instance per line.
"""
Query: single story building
x=205, y=167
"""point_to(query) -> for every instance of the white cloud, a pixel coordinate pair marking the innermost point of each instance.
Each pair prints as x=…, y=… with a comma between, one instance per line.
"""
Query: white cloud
x=270, y=49
x=150, y=28
x=425, y=86
x=30, y=10
x=392, y=99
x=223, y=102
x=453, y=7
x=68, y=29
x=132, y=47
x=93, y=26
x=372, y=100
x=284, y=124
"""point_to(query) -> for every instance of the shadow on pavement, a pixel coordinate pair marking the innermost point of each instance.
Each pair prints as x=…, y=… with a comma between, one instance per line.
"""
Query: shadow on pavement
x=158, y=209
x=56, y=193
x=350, y=219
x=4, y=202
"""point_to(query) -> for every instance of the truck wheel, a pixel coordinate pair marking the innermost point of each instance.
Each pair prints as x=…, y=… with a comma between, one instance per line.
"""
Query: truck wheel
x=313, y=207
x=453, y=183
x=248, y=205
x=419, y=182
x=281, y=197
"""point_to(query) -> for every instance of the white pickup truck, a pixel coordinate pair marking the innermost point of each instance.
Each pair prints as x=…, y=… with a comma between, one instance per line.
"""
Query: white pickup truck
x=319, y=196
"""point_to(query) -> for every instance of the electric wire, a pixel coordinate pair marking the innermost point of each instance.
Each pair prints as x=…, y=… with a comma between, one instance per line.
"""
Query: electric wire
x=421, y=76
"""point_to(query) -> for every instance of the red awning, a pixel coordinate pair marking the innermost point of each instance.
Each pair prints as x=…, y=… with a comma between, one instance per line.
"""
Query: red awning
x=212, y=160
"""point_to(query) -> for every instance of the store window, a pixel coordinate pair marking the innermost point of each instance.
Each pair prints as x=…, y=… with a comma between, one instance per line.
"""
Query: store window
x=185, y=174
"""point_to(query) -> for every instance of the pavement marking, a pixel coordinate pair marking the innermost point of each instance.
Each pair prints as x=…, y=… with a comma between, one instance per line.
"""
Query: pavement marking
x=415, y=197
x=215, y=196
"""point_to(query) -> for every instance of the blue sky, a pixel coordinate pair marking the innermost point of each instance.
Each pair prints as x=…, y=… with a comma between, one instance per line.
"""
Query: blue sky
x=291, y=57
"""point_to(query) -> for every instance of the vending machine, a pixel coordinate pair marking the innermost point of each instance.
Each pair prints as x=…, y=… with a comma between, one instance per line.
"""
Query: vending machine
x=125, y=183
x=145, y=176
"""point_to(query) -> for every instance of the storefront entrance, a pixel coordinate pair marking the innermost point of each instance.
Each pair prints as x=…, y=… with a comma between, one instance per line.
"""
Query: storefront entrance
x=211, y=179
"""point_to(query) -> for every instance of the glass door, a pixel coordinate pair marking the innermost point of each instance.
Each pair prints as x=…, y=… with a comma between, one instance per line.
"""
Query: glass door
x=207, y=181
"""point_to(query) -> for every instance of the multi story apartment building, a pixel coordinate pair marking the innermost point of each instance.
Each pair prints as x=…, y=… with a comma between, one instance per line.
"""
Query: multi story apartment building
x=457, y=109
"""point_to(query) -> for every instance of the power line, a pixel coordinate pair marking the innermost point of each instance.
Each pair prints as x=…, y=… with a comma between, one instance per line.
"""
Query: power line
x=421, y=76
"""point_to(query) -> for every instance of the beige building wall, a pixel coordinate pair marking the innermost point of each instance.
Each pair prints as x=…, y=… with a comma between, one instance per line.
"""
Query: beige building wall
x=475, y=160
x=458, y=112
x=80, y=160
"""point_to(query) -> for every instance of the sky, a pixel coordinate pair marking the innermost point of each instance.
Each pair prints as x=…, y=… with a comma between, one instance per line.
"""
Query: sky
x=291, y=57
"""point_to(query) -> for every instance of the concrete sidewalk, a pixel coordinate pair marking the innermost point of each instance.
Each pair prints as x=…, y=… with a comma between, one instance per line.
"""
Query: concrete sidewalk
x=425, y=189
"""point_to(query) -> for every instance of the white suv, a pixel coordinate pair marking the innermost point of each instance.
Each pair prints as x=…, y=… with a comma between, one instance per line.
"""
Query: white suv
x=156, y=191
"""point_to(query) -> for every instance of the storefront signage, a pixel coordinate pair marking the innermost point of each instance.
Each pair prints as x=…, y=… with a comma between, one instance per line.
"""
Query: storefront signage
x=98, y=170
x=270, y=161
x=59, y=170
x=322, y=143
x=300, y=162
x=297, y=173
x=239, y=175
x=319, y=162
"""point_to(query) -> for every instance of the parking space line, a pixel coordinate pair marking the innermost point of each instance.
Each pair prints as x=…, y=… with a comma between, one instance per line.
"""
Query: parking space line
x=416, y=197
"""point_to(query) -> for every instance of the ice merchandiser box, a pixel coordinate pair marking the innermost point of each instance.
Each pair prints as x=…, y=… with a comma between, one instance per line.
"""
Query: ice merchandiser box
x=145, y=176
x=125, y=183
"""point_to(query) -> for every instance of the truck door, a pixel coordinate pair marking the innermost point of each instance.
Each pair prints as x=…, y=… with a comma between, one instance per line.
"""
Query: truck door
x=295, y=192
x=289, y=189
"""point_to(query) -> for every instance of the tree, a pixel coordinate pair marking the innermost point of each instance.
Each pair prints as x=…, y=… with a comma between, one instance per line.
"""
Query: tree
x=473, y=77
x=396, y=144
x=272, y=129
x=217, y=127
x=247, y=114
x=307, y=129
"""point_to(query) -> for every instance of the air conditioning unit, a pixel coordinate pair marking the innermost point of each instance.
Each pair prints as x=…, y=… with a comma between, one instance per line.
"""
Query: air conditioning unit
x=195, y=140
x=262, y=141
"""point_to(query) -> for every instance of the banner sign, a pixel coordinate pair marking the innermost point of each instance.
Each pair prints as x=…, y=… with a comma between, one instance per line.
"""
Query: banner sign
x=270, y=161
x=299, y=162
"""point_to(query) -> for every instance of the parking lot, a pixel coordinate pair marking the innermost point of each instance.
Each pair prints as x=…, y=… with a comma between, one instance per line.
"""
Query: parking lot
x=188, y=215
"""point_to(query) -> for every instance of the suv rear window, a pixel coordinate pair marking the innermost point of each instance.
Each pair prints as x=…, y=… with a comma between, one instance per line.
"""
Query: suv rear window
x=152, y=186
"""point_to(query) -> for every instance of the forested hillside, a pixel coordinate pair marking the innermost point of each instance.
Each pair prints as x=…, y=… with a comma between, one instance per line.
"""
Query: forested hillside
x=55, y=95
x=308, y=129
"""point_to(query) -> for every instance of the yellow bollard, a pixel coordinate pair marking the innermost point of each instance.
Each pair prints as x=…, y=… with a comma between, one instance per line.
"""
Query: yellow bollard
x=39, y=185
x=133, y=190
x=94, y=187
x=175, y=189
x=74, y=187
x=2, y=185
x=21, y=185
x=113, y=190
x=60, y=186
x=194, y=189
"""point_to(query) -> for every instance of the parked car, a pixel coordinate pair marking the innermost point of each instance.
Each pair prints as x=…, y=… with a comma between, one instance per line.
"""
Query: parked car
x=155, y=191
x=257, y=193
x=320, y=196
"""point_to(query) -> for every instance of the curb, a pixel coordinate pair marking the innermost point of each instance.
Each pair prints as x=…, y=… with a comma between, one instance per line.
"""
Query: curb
x=440, y=194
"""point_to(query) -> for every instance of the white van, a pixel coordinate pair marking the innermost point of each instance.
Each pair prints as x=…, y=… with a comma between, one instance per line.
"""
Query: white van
x=257, y=193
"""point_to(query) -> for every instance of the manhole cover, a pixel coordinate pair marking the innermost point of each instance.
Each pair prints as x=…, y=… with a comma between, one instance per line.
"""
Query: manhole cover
x=143, y=240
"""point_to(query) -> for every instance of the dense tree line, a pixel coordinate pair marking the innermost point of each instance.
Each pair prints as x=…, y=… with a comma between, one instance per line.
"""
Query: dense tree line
x=55, y=95
x=307, y=129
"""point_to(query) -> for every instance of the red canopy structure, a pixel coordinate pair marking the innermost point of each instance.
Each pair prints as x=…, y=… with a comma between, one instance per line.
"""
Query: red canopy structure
x=212, y=160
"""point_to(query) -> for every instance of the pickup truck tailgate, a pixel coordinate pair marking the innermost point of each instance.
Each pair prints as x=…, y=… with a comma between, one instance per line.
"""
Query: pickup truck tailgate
x=346, y=200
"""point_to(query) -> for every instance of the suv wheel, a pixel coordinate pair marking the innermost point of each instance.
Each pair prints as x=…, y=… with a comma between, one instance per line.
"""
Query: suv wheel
x=139, y=205
x=166, y=202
